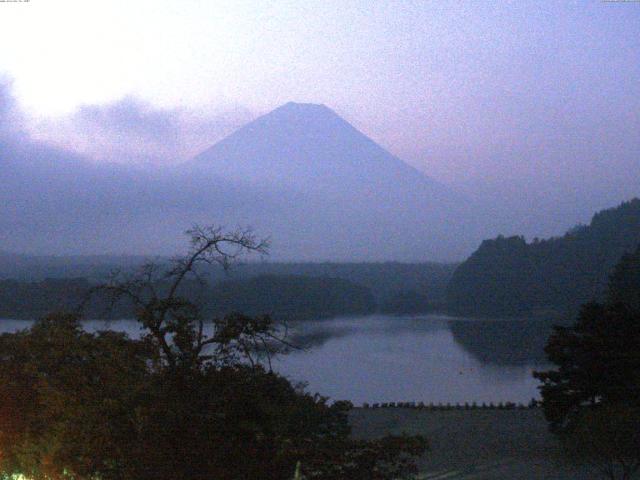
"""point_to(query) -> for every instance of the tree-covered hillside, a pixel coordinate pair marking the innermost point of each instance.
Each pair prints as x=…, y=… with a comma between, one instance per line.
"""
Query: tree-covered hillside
x=285, y=297
x=30, y=300
x=624, y=284
x=508, y=276
x=386, y=280
x=292, y=297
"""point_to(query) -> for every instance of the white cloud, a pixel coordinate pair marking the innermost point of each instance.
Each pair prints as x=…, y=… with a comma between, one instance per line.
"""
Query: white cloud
x=133, y=131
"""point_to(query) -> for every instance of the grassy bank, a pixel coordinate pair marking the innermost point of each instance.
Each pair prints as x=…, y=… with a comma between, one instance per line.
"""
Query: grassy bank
x=476, y=444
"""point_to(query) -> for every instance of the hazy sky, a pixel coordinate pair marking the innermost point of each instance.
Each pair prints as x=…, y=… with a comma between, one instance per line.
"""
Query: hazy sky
x=538, y=97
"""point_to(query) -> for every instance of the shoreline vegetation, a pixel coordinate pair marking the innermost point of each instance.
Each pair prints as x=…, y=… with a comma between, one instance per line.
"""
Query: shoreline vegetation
x=505, y=278
x=286, y=297
x=508, y=276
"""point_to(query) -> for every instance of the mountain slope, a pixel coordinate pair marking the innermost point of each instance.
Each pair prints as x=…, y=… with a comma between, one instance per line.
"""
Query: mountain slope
x=349, y=198
x=307, y=145
x=301, y=175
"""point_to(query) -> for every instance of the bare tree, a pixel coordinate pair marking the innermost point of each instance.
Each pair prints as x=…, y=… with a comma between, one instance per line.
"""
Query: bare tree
x=175, y=324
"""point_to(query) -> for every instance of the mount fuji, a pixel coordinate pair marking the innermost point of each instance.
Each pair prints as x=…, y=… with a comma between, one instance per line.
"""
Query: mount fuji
x=301, y=175
x=330, y=192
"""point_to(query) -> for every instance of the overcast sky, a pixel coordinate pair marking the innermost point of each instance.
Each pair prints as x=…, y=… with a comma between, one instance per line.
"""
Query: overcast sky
x=539, y=98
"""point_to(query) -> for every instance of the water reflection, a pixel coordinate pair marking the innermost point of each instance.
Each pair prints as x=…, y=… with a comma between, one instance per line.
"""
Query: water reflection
x=310, y=335
x=382, y=359
x=504, y=342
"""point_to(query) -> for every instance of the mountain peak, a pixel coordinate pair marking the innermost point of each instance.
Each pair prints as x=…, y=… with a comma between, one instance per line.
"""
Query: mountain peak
x=306, y=144
x=305, y=112
x=303, y=107
x=322, y=182
x=292, y=127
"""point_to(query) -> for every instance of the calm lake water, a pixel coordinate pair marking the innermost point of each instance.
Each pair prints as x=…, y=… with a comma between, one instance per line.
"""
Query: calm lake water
x=430, y=358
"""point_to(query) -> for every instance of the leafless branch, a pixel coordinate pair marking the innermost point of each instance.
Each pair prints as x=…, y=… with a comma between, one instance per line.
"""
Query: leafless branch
x=172, y=321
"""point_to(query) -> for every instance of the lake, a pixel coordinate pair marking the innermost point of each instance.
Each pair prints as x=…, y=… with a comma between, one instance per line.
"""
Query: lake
x=432, y=358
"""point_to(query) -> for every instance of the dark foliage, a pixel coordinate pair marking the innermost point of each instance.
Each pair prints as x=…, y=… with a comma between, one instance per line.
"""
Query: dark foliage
x=383, y=279
x=507, y=342
x=592, y=398
x=284, y=297
x=407, y=302
x=508, y=276
x=28, y=300
x=624, y=284
x=292, y=297
x=598, y=362
x=69, y=399
x=182, y=402
x=391, y=457
x=608, y=439
x=101, y=405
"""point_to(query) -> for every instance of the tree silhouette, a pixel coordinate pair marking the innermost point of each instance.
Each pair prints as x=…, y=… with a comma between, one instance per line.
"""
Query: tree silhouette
x=193, y=398
x=592, y=398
